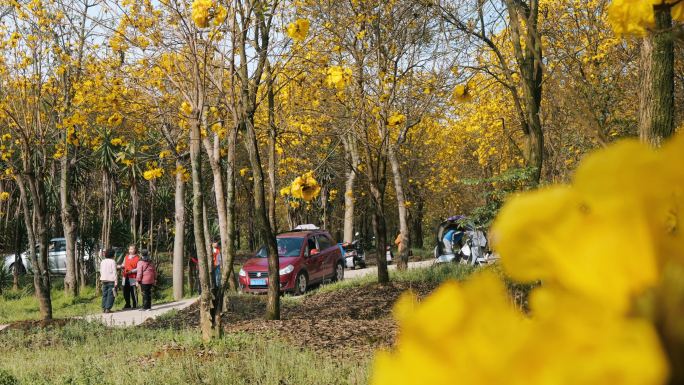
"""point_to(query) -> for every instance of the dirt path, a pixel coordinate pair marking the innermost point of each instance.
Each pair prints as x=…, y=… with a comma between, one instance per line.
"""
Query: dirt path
x=3, y=327
x=358, y=273
x=136, y=317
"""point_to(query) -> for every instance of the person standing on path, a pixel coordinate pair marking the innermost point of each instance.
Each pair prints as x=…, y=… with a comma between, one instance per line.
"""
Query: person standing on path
x=129, y=277
x=147, y=277
x=216, y=251
x=108, y=279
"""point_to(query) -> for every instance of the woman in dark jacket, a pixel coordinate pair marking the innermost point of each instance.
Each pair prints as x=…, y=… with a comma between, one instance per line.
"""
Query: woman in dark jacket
x=146, y=277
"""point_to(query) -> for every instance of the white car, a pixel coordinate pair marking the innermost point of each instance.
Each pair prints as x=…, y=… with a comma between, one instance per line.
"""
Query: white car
x=56, y=258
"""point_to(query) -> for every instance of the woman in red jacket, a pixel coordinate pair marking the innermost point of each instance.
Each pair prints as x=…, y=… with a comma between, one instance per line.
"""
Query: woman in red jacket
x=129, y=274
x=147, y=277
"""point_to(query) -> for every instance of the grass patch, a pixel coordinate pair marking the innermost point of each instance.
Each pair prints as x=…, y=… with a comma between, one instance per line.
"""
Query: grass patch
x=434, y=274
x=83, y=353
x=22, y=305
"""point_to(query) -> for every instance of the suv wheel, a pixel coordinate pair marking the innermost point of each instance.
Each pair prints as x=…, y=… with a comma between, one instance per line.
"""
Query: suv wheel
x=339, y=272
x=301, y=283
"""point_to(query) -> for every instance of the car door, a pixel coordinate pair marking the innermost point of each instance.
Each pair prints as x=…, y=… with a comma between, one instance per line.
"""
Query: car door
x=327, y=255
x=312, y=262
x=60, y=256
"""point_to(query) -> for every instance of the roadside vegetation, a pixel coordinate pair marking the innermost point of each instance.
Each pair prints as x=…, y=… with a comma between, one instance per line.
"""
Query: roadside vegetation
x=89, y=353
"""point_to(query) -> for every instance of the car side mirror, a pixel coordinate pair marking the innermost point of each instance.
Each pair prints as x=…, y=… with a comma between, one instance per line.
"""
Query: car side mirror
x=313, y=252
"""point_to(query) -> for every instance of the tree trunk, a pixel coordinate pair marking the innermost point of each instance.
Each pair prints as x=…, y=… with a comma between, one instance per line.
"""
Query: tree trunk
x=417, y=219
x=151, y=220
x=41, y=275
x=207, y=242
x=403, y=254
x=527, y=48
x=272, y=134
x=179, y=235
x=17, y=250
x=69, y=226
x=353, y=157
x=229, y=247
x=645, y=89
x=206, y=299
x=656, y=116
x=263, y=224
x=134, y=211
x=380, y=230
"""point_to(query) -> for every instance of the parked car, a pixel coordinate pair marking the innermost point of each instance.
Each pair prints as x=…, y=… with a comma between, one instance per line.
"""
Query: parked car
x=56, y=258
x=306, y=257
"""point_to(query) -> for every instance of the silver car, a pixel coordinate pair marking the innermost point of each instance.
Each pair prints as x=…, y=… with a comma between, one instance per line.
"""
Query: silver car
x=56, y=258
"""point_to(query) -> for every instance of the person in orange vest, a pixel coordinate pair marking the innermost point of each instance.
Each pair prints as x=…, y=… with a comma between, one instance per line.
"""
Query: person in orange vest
x=398, y=243
x=129, y=272
x=217, y=260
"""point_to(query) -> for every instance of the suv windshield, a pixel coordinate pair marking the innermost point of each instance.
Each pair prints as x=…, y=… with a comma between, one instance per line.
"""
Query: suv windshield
x=287, y=247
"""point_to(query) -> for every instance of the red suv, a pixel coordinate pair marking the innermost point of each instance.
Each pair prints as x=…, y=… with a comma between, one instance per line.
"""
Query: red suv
x=306, y=257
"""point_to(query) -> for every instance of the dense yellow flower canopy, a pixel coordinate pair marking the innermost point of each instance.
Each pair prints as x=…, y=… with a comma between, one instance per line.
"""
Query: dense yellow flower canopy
x=637, y=16
x=298, y=29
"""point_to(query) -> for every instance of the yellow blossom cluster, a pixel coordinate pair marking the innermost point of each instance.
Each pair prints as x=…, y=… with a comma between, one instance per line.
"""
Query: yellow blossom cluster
x=604, y=248
x=298, y=29
x=338, y=76
x=304, y=187
x=153, y=173
x=462, y=93
x=4, y=196
x=204, y=11
x=396, y=119
x=635, y=17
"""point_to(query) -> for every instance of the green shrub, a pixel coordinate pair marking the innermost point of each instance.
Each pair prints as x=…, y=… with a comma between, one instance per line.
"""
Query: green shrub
x=6, y=378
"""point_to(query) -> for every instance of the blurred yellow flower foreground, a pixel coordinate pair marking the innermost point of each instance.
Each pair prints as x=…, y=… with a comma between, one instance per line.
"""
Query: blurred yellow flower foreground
x=609, y=252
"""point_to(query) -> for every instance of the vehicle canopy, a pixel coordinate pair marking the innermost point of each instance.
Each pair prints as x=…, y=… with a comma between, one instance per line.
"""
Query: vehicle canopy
x=457, y=223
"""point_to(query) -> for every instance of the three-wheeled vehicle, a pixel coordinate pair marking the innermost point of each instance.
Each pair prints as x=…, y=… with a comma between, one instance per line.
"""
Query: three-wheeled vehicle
x=459, y=240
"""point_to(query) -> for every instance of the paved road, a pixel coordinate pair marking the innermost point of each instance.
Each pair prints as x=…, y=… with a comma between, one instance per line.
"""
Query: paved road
x=136, y=317
x=358, y=273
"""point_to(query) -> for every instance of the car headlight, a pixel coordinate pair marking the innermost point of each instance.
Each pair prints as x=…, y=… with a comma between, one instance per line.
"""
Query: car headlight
x=287, y=270
x=242, y=273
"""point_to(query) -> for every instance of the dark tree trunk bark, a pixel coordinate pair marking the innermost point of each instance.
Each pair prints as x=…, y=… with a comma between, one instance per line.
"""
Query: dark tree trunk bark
x=262, y=222
x=657, y=99
x=36, y=220
x=417, y=220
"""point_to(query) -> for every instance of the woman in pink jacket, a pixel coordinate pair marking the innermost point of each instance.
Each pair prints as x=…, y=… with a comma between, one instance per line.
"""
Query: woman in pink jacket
x=146, y=277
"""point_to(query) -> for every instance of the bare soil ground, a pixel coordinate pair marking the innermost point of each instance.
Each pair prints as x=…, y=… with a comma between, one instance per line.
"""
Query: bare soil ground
x=352, y=321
